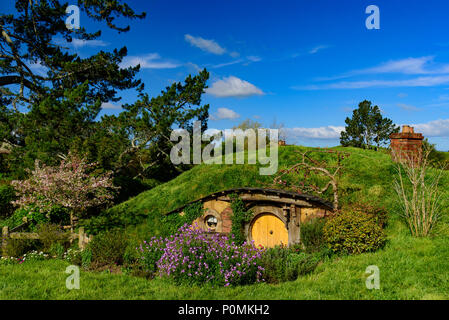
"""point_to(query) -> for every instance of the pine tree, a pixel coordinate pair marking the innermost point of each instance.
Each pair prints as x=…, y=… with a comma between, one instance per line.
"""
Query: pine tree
x=367, y=127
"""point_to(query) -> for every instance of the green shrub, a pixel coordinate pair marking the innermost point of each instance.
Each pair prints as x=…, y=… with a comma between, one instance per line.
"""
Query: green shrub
x=312, y=234
x=284, y=264
x=108, y=247
x=73, y=256
x=57, y=250
x=353, y=233
x=86, y=258
x=120, y=217
x=379, y=214
x=19, y=247
x=51, y=235
x=34, y=217
x=7, y=195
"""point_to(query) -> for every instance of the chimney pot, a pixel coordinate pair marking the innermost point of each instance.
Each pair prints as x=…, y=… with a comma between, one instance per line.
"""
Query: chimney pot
x=407, y=129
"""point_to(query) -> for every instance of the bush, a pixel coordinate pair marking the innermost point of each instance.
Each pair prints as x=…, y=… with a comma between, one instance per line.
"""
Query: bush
x=19, y=247
x=312, y=235
x=34, y=217
x=51, y=235
x=379, y=214
x=284, y=264
x=57, y=250
x=7, y=195
x=353, y=232
x=120, y=217
x=191, y=257
x=108, y=247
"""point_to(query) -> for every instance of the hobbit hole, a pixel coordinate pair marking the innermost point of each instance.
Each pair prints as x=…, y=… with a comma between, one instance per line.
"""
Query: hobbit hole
x=276, y=215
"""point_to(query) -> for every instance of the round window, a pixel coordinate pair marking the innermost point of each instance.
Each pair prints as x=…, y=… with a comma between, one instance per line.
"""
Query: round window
x=211, y=222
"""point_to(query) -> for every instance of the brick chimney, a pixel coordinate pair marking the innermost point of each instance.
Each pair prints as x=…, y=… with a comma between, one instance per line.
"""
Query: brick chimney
x=406, y=144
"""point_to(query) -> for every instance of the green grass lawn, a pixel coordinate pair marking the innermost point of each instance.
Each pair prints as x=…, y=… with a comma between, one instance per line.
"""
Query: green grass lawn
x=410, y=268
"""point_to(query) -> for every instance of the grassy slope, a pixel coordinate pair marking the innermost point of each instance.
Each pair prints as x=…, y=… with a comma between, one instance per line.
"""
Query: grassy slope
x=367, y=177
x=410, y=268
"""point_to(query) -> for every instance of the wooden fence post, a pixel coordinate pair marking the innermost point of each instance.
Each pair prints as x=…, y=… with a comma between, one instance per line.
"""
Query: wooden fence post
x=81, y=236
x=5, y=236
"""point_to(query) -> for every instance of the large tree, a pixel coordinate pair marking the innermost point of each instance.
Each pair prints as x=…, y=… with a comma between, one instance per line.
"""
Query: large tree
x=63, y=97
x=63, y=105
x=149, y=122
x=367, y=127
x=33, y=35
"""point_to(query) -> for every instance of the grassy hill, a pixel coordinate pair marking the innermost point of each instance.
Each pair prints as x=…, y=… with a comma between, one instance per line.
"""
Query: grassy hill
x=367, y=177
x=410, y=268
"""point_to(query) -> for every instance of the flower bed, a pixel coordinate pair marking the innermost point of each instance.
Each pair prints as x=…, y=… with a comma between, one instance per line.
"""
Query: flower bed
x=189, y=256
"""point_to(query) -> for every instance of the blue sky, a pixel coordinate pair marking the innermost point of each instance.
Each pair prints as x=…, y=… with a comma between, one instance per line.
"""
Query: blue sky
x=306, y=64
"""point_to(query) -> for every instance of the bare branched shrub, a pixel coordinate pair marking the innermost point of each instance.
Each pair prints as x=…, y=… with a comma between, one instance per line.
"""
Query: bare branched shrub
x=416, y=184
x=307, y=165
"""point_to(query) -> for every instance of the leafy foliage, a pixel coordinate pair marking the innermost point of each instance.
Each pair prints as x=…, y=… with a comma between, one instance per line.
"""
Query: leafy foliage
x=28, y=38
x=31, y=217
x=51, y=235
x=18, y=247
x=240, y=216
x=174, y=222
x=7, y=195
x=312, y=234
x=353, y=233
x=366, y=127
x=283, y=264
x=108, y=248
x=69, y=186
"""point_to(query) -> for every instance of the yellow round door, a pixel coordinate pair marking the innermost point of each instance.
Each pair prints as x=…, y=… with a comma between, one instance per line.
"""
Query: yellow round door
x=268, y=230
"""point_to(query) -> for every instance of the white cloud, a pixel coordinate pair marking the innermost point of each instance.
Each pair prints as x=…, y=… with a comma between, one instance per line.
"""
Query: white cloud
x=39, y=68
x=254, y=58
x=436, y=128
x=424, y=66
x=206, y=45
x=80, y=43
x=108, y=105
x=407, y=107
x=405, y=66
x=318, y=48
x=148, y=61
x=328, y=132
x=244, y=61
x=415, y=82
x=221, y=65
x=233, y=87
x=225, y=114
x=193, y=66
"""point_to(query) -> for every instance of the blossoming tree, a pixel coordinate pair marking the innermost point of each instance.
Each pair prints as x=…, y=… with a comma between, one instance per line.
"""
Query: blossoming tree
x=68, y=185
